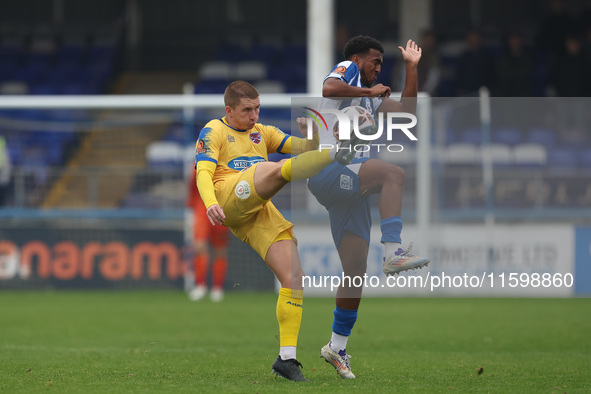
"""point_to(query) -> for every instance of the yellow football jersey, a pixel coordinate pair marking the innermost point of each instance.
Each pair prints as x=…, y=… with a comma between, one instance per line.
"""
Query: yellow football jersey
x=234, y=150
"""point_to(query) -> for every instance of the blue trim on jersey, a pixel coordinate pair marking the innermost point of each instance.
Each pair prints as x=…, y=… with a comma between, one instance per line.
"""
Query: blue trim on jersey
x=204, y=158
x=282, y=143
x=239, y=130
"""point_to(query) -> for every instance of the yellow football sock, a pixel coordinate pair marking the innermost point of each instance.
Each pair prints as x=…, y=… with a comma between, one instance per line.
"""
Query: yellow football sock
x=289, y=315
x=306, y=165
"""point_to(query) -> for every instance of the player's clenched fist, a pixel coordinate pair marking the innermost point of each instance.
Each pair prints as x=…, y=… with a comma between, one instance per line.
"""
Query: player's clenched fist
x=215, y=214
x=380, y=90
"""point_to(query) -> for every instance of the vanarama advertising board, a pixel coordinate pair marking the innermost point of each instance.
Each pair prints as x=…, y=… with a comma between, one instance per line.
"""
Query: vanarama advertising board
x=34, y=257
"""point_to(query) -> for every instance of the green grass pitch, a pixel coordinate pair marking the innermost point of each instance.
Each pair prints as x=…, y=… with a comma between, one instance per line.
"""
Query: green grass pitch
x=158, y=341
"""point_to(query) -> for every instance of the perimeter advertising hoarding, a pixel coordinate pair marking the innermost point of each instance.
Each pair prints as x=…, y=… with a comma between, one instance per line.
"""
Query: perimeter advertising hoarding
x=466, y=260
x=90, y=258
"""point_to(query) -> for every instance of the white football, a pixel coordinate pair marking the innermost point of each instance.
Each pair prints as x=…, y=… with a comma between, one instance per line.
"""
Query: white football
x=365, y=120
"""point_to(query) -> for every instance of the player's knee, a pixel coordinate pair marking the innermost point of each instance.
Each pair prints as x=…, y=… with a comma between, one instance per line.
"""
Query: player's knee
x=395, y=174
x=273, y=171
x=295, y=279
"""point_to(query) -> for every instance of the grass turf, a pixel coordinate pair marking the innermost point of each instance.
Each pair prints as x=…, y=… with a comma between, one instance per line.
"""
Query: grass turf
x=161, y=342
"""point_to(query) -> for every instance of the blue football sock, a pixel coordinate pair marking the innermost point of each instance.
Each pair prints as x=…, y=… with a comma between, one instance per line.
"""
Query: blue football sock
x=391, y=229
x=344, y=320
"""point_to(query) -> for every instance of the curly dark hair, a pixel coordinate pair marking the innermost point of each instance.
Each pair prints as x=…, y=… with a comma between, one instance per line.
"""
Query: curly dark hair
x=361, y=45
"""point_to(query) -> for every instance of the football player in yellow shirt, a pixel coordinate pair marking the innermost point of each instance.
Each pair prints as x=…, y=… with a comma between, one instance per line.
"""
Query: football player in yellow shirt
x=236, y=183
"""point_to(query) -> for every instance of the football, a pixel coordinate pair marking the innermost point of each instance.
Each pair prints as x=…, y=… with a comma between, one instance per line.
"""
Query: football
x=360, y=117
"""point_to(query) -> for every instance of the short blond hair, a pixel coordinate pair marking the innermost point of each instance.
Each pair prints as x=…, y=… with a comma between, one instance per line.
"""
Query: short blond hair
x=238, y=90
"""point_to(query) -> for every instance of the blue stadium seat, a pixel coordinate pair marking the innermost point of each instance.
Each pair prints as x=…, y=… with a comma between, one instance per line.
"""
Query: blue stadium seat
x=507, y=136
x=471, y=136
x=545, y=137
x=32, y=72
x=294, y=53
x=16, y=153
x=45, y=89
x=230, y=53
x=450, y=136
x=562, y=159
x=212, y=86
x=66, y=72
x=72, y=53
x=176, y=133
x=529, y=155
x=74, y=88
x=7, y=69
x=266, y=53
x=585, y=159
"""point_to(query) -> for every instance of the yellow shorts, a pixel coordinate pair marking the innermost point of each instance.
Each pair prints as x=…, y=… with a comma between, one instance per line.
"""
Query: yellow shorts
x=251, y=218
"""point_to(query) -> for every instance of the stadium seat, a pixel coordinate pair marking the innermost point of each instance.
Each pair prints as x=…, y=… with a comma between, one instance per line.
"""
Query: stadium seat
x=544, y=137
x=266, y=53
x=230, y=53
x=216, y=71
x=164, y=153
x=189, y=154
x=294, y=53
x=14, y=88
x=74, y=89
x=175, y=133
x=507, y=136
x=211, y=86
x=562, y=159
x=8, y=67
x=33, y=72
x=529, y=155
x=44, y=89
x=501, y=154
x=408, y=156
x=462, y=154
x=471, y=136
x=270, y=87
x=585, y=159
x=251, y=71
x=65, y=72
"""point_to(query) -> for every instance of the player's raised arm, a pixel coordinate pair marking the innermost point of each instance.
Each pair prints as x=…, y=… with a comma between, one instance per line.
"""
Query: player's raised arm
x=408, y=103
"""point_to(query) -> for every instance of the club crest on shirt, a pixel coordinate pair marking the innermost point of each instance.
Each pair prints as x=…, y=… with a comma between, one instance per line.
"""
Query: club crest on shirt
x=231, y=138
x=255, y=137
x=201, y=147
x=341, y=70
